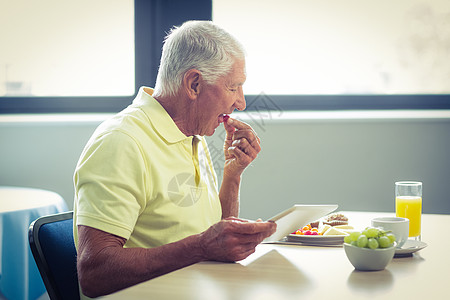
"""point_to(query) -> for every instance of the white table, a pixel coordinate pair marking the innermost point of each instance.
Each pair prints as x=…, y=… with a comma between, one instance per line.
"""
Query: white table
x=308, y=272
x=19, y=276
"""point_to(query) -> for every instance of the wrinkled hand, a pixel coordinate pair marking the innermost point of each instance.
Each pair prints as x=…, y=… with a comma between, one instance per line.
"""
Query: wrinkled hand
x=241, y=147
x=234, y=239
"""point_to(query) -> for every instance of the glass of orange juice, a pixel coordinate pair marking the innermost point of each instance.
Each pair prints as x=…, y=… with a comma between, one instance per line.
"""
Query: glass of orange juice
x=408, y=204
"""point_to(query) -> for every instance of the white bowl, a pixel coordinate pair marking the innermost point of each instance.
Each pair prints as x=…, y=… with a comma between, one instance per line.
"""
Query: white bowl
x=366, y=259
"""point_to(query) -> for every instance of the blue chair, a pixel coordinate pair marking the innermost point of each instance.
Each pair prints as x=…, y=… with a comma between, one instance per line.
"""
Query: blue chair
x=51, y=242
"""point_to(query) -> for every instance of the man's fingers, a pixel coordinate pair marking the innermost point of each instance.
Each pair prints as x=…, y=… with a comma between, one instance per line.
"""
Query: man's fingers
x=229, y=130
x=238, y=219
x=238, y=124
x=249, y=135
x=241, y=157
x=234, y=239
x=252, y=227
x=247, y=147
x=237, y=129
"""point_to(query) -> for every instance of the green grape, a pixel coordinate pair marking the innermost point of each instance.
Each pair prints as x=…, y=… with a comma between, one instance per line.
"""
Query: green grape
x=384, y=242
x=354, y=235
x=362, y=241
x=382, y=231
x=371, y=237
x=372, y=232
x=391, y=237
x=372, y=243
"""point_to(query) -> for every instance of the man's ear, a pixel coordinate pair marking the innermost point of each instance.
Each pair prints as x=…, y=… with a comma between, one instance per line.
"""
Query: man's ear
x=192, y=82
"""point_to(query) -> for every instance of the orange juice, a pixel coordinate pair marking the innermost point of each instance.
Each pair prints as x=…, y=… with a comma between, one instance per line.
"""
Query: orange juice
x=410, y=207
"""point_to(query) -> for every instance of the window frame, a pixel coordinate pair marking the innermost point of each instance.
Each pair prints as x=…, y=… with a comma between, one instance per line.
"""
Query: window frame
x=348, y=102
x=153, y=18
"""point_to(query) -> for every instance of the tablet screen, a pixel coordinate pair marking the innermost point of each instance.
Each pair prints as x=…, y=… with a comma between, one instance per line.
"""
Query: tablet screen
x=296, y=217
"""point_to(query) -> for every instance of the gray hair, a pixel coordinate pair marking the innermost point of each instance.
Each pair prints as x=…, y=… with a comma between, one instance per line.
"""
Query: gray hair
x=199, y=45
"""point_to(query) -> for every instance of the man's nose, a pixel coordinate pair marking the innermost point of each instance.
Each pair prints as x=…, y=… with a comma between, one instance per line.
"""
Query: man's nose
x=240, y=102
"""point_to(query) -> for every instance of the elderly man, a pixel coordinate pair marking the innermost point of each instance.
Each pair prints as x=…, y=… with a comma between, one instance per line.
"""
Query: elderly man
x=146, y=197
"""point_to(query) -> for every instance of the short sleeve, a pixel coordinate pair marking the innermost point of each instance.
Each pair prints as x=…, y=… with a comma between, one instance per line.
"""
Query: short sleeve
x=111, y=184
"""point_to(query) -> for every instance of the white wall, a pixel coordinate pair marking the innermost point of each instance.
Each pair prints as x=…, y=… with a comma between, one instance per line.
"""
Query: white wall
x=348, y=158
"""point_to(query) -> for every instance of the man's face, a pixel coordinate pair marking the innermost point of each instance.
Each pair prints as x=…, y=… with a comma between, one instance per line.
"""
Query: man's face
x=223, y=97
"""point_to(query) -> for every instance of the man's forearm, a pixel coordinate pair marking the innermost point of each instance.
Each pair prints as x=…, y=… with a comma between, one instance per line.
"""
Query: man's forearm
x=115, y=268
x=229, y=196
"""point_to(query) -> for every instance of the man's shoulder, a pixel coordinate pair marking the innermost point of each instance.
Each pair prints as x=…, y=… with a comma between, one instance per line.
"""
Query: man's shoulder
x=132, y=121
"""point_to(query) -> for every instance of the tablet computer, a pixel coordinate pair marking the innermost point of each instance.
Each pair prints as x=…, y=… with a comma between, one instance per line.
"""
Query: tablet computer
x=296, y=217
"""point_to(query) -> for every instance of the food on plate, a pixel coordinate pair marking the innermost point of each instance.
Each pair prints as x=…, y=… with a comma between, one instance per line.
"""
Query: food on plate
x=323, y=228
x=333, y=231
x=371, y=237
x=315, y=224
x=344, y=227
x=307, y=230
x=331, y=225
x=336, y=219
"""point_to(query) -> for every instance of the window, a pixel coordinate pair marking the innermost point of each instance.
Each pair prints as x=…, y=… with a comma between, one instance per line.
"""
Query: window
x=67, y=48
x=92, y=56
x=342, y=47
x=344, y=54
x=83, y=56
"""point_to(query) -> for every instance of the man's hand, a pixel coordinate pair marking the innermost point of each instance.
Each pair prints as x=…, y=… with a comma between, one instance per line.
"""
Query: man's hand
x=241, y=147
x=234, y=239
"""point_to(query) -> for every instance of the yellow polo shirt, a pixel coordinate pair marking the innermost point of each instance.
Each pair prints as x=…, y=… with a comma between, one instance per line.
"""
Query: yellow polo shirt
x=141, y=178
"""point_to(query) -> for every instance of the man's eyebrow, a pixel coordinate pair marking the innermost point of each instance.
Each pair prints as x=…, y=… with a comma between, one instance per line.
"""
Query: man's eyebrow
x=241, y=81
x=237, y=83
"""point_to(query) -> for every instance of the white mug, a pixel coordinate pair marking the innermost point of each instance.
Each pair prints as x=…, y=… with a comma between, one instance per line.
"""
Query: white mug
x=398, y=226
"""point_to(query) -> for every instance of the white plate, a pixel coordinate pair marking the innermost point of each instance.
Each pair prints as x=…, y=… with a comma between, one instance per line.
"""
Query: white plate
x=319, y=240
x=409, y=248
x=296, y=217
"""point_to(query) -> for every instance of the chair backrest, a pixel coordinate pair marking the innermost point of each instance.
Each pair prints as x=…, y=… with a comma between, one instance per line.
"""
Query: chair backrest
x=51, y=242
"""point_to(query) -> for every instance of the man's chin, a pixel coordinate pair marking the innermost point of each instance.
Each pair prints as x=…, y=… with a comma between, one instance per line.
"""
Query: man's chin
x=211, y=131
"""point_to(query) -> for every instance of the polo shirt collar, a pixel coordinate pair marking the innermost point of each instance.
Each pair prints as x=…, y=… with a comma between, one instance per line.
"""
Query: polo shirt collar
x=158, y=116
